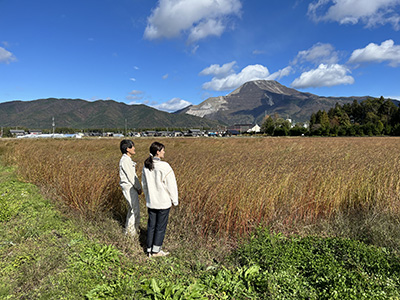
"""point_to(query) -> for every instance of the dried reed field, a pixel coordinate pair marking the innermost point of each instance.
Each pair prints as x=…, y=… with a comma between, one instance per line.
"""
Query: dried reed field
x=227, y=186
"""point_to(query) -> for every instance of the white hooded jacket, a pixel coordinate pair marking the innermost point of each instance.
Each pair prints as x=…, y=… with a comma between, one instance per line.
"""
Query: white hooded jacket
x=159, y=185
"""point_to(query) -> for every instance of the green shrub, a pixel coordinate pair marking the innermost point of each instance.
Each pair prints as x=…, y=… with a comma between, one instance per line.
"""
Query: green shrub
x=321, y=268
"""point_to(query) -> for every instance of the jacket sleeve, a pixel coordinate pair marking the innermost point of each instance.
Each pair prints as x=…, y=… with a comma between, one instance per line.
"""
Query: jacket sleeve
x=129, y=169
x=144, y=182
x=172, y=187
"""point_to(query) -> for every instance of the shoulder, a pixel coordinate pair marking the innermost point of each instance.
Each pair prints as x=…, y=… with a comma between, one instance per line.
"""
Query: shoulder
x=163, y=165
x=126, y=159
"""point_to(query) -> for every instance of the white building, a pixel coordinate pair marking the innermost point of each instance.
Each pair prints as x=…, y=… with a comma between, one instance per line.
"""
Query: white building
x=255, y=129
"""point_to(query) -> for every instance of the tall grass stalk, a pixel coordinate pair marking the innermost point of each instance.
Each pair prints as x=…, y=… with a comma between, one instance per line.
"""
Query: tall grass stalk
x=228, y=186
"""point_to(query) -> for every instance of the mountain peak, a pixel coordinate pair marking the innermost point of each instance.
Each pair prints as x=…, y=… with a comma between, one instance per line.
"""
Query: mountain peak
x=254, y=99
x=271, y=86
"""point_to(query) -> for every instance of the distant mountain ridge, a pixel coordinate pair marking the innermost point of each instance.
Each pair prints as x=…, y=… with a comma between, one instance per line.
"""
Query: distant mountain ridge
x=78, y=113
x=247, y=104
x=253, y=100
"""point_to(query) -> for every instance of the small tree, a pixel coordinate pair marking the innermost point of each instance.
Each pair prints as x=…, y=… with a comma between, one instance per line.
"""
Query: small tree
x=268, y=126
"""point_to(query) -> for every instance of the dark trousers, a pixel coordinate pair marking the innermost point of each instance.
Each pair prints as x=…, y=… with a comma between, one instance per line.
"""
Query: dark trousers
x=156, y=227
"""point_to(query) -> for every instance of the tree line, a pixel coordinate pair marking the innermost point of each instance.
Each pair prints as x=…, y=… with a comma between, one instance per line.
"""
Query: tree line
x=371, y=117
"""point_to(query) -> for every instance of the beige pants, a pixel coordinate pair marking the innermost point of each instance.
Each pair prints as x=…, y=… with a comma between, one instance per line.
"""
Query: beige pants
x=133, y=216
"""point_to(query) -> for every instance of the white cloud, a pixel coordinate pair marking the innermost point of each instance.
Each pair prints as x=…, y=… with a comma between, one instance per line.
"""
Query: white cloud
x=258, y=52
x=132, y=79
x=317, y=54
x=324, y=75
x=135, y=95
x=143, y=102
x=136, y=92
x=219, y=71
x=197, y=18
x=226, y=79
x=165, y=76
x=6, y=56
x=173, y=105
x=369, y=12
x=232, y=81
x=281, y=73
x=136, y=98
x=194, y=49
x=387, y=51
x=206, y=28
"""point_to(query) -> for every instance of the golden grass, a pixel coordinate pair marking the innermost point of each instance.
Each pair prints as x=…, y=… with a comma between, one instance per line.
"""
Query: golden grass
x=227, y=185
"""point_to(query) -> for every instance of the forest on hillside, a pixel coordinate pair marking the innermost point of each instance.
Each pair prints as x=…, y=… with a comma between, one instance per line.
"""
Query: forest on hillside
x=371, y=117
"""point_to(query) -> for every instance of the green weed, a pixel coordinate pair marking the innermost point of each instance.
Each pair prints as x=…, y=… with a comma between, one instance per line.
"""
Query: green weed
x=321, y=268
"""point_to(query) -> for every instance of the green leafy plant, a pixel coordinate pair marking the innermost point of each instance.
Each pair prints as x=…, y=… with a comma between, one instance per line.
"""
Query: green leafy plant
x=321, y=268
x=98, y=257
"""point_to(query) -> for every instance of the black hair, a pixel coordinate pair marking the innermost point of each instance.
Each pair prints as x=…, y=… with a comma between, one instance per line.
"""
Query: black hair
x=125, y=144
x=156, y=146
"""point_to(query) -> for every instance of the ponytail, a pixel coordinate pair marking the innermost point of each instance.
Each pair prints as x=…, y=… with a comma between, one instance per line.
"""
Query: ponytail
x=149, y=163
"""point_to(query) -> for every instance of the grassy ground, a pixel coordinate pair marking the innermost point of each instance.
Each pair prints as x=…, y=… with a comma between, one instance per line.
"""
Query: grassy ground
x=50, y=251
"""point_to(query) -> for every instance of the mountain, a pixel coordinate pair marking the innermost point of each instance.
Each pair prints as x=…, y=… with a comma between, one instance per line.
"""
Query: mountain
x=255, y=99
x=77, y=113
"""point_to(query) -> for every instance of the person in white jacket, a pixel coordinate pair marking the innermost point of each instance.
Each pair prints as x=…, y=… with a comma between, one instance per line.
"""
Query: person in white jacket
x=161, y=191
x=130, y=185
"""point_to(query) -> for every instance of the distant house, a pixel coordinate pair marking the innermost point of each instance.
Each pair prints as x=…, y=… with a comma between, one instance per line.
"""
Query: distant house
x=231, y=132
x=195, y=132
x=17, y=132
x=150, y=133
x=35, y=132
x=134, y=134
x=95, y=133
x=255, y=129
x=241, y=127
x=162, y=133
x=177, y=133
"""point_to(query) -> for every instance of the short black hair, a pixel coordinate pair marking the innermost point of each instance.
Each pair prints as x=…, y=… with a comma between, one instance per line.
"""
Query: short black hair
x=125, y=144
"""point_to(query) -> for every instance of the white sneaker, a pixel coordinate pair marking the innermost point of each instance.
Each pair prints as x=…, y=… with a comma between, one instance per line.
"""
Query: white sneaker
x=160, y=254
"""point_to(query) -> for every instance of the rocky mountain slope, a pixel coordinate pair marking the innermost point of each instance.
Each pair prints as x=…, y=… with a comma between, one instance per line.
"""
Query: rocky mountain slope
x=255, y=99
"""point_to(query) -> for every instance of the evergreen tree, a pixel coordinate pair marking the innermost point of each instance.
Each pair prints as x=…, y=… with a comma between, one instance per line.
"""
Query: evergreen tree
x=313, y=119
x=357, y=113
x=268, y=126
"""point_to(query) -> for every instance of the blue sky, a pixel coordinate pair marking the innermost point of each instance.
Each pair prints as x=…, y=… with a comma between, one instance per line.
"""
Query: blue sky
x=171, y=53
